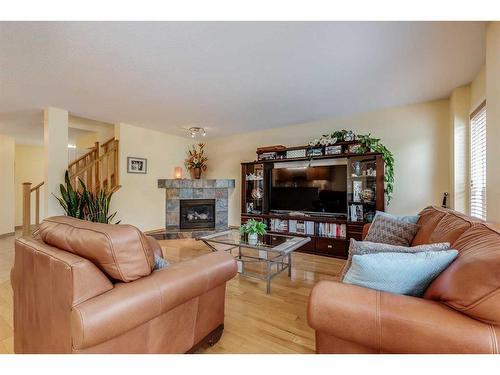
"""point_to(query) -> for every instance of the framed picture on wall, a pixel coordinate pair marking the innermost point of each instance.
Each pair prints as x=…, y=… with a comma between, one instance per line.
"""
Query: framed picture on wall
x=137, y=165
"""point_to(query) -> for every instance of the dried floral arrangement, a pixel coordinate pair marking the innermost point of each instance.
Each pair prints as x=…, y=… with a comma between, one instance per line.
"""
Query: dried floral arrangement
x=196, y=157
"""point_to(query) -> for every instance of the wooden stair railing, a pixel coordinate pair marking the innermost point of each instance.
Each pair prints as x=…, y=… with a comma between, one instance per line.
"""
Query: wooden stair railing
x=98, y=171
x=27, y=190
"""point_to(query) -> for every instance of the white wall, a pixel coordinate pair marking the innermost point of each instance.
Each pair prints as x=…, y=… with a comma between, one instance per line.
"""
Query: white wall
x=7, y=193
x=88, y=132
x=478, y=90
x=493, y=121
x=139, y=201
x=96, y=131
x=29, y=168
x=459, y=149
x=418, y=135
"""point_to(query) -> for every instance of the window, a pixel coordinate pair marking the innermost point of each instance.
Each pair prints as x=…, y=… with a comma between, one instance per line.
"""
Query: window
x=478, y=162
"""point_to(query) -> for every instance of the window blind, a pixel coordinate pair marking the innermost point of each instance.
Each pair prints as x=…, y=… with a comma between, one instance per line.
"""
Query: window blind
x=478, y=162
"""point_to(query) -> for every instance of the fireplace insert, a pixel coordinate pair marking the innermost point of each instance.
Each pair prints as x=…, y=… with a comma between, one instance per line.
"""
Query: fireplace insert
x=197, y=213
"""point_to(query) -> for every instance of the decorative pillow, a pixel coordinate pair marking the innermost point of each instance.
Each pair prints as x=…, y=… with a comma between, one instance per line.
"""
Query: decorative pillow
x=160, y=262
x=391, y=231
x=400, y=273
x=405, y=219
x=366, y=247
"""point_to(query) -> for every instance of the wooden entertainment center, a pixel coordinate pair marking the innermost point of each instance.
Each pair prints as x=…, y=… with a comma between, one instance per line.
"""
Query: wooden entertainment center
x=329, y=232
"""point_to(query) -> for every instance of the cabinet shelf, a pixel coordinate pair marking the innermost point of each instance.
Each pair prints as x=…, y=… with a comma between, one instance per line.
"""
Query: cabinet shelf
x=321, y=229
x=371, y=203
x=365, y=177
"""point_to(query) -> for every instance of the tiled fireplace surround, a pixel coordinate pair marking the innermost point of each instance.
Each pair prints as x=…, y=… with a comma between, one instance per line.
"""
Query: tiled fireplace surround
x=178, y=189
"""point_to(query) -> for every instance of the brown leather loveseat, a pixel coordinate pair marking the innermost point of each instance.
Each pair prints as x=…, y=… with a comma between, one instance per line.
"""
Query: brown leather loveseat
x=459, y=313
x=82, y=287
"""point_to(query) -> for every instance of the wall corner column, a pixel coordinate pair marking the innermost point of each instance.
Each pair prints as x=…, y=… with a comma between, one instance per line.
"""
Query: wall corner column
x=55, y=136
x=7, y=185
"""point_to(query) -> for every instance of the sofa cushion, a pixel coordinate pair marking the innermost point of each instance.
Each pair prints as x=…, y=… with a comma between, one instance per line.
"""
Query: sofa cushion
x=121, y=251
x=400, y=273
x=391, y=231
x=406, y=219
x=472, y=283
x=450, y=227
x=429, y=219
x=366, y=247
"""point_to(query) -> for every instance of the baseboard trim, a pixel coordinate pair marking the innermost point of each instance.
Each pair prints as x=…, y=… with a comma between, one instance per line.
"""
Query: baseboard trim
x=7, y=234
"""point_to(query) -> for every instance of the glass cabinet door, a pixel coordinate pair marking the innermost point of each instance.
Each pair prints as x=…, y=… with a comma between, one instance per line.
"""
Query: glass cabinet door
x=361, y=188
x=254, y=188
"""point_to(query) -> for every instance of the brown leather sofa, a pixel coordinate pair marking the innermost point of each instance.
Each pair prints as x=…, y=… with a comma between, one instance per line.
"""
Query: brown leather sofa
x=459, y=313
x=83, y=287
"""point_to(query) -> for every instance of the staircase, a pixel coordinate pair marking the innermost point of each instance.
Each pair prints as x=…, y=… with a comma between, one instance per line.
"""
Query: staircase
x=98, y=169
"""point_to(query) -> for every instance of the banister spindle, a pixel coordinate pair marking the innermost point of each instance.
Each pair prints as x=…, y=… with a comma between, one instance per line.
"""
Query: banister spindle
x=26, y=208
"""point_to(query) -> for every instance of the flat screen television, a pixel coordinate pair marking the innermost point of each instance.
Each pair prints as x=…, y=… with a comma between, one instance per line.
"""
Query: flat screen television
x=315, y=189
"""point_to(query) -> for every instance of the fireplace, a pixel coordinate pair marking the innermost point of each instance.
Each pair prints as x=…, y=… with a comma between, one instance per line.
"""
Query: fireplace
x=198, y=191
x=197, y=213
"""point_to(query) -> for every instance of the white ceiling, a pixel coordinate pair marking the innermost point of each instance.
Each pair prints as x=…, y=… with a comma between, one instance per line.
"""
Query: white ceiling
x=228, y=77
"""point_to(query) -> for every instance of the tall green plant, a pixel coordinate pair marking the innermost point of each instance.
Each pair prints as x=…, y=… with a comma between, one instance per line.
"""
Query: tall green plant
x=71, y=200
x=97, y=205
x=84, y=204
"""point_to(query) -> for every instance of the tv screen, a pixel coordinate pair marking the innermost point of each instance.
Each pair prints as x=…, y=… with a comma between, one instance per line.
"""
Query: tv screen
x=310, y=189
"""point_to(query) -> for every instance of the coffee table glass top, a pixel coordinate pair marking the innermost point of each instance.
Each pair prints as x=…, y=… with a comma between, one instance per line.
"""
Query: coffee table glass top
x=268, y=242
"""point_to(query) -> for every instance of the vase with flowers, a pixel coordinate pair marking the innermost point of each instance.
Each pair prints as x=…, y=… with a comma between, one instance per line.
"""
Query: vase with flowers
x=196, y=161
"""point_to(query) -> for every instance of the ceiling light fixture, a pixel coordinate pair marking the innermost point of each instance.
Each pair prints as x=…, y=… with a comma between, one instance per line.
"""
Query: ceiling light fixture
x=195, y=130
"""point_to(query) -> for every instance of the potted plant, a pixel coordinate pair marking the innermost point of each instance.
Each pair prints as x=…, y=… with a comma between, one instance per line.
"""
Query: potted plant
x=196, y=161
x=254, y=229
x=84, y=204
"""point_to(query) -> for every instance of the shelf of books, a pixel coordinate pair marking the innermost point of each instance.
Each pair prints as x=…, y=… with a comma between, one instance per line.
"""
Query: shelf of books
x=308, y=228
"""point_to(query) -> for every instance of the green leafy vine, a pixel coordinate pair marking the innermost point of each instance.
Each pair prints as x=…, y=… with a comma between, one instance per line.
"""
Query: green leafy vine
x=368, y=143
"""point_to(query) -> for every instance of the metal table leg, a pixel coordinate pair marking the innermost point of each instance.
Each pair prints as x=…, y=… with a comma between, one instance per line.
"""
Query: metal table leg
x=268, y=277
x=290, y=265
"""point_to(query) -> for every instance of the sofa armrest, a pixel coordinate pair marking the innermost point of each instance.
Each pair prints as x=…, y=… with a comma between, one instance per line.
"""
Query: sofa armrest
x=366, y=228
x=129, y=305
x=391, y=323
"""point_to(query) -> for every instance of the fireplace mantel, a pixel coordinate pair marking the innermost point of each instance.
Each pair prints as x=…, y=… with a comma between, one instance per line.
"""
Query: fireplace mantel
x=178, y=189
x=179, y=183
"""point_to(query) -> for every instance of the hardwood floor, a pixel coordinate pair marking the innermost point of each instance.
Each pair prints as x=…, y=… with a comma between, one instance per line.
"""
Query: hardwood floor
x=255, y=322
x=6, y=324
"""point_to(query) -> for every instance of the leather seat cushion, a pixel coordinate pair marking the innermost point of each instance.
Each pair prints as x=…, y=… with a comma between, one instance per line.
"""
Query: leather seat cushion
x=471, y=284
x=429, y=219
x=122, y=252
x=450, y=227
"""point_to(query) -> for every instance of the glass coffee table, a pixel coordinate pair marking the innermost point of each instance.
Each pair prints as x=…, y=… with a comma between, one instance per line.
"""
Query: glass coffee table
x=271, y=255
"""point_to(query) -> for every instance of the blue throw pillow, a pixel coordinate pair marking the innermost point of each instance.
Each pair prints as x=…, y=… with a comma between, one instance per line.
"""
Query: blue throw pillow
x=405, y=219
x=400, y=273
x=160, y=263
